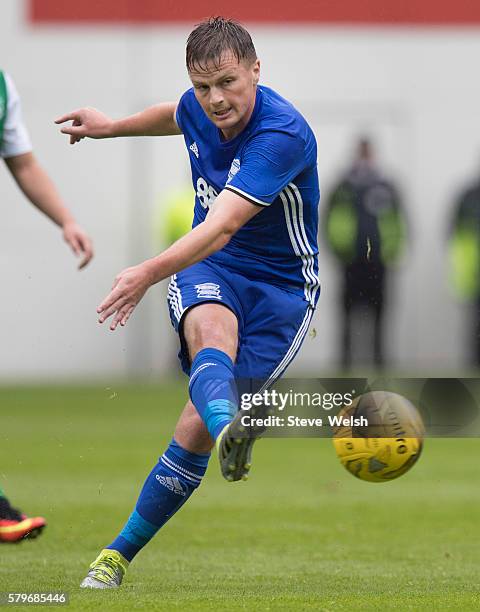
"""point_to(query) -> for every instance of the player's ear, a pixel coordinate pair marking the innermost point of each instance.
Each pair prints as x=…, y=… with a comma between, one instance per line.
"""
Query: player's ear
x=256, y=72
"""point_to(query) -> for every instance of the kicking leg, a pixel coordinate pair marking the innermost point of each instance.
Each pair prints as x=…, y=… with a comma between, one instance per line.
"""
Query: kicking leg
x=211, y=334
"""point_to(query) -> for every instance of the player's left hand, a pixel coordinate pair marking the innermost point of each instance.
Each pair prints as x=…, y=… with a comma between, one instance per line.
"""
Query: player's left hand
x=127, y=291
x=79, y=242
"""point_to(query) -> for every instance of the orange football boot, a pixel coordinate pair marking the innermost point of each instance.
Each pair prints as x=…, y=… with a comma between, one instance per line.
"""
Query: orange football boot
x=15, y=526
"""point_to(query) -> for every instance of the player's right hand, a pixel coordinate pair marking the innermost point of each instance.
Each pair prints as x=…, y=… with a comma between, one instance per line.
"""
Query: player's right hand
x=128, y=289
x=88, y=122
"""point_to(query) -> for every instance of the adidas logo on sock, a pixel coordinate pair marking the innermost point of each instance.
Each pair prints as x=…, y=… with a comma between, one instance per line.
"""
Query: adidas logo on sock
x=172, y=484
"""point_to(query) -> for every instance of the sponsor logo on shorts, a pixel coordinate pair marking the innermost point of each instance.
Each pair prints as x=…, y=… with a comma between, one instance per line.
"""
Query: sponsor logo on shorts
x=208, y=290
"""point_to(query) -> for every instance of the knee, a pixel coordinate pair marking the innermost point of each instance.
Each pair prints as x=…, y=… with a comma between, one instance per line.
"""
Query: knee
x=208, y=334
x=208, y=328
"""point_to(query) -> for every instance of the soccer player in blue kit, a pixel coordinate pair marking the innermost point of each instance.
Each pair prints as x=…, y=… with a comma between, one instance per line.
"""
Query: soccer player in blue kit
x=244, y=280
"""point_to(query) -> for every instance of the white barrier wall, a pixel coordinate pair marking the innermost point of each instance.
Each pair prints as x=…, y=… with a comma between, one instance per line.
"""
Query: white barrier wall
x=414, y=90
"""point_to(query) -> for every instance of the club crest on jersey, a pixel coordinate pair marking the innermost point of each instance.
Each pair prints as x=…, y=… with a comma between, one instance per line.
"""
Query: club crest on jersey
x=193, y=147
x=234, y=168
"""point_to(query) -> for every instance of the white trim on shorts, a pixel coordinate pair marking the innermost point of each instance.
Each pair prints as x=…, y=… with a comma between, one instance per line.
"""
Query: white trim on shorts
x=292, y=351
x=174, y=297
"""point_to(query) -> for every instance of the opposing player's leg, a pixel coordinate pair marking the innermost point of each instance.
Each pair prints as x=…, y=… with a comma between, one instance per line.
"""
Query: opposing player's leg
x=171, y=482
x=15, y=526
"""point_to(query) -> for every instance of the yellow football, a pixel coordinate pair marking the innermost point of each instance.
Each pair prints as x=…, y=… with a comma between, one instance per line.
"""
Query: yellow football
x=389, y=441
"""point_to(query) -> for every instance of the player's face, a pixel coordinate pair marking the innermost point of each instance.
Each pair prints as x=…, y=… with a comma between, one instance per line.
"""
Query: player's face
x=226, y=92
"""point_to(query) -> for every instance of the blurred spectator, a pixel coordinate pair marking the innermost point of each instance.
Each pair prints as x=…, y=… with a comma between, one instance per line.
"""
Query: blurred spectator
x=465, y=258
x=365, y=228
x=174, y=215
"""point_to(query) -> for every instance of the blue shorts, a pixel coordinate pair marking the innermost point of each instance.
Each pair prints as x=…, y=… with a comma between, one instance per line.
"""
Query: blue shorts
x=272, y=322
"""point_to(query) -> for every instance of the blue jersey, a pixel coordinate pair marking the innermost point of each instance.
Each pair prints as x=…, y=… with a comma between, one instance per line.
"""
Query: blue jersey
x=272, y=163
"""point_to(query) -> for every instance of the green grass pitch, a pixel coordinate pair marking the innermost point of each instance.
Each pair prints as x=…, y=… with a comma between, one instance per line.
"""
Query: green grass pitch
x=301, y=534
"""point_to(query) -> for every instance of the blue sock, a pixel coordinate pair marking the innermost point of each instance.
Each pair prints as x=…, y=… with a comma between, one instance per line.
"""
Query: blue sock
x=212, y=389
x=168, y=486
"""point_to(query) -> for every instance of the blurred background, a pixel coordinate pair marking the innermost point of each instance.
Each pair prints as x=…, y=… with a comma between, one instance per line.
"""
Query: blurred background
x=402, y=75
x=391, y=90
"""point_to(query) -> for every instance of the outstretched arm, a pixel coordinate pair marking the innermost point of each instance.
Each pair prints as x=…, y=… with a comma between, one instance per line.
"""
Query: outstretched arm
x=158, y=120
x=227, y=215
x=40, y=190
